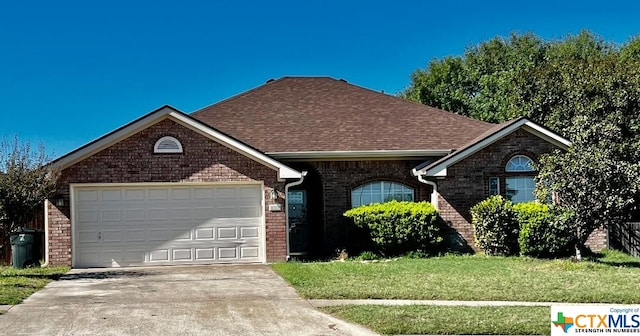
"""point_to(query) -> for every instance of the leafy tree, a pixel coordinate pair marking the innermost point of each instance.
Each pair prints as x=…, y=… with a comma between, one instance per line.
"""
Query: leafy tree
x=25, y=182
x=582, y=86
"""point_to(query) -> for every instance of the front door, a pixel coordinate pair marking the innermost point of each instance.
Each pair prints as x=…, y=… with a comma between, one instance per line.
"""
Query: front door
x=299, y=228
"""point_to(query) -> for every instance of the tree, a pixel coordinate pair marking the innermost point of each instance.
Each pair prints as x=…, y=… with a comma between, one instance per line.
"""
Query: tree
x=594, y=184
x=25, y=182
x=582, y=86
x=504, y=78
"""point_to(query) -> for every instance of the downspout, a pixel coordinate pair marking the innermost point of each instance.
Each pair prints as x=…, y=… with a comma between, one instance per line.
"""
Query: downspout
x=46, y=233
x=434, y=191
x=286, y=207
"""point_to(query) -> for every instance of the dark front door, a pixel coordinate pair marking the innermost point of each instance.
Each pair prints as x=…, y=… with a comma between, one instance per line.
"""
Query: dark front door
x=299, y=228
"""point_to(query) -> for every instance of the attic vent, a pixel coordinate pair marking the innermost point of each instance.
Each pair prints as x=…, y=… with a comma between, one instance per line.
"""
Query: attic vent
x=167, y=145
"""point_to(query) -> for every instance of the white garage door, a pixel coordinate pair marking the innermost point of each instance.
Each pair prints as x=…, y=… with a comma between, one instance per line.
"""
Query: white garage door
x=128, y=225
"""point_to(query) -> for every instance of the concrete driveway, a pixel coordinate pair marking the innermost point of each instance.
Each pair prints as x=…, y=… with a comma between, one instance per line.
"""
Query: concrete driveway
x=175, y=300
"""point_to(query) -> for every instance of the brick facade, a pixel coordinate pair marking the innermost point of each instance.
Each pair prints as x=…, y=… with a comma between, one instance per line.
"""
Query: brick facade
x=340, y=177
x=133, y=160
x=467, y=182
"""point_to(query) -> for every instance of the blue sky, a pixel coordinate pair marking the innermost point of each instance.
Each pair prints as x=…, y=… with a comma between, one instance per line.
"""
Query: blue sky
x=71, y=71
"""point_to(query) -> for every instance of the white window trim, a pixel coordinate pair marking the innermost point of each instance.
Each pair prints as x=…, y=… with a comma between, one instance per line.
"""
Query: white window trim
x=157, y=149
x=506, y=167
x=381, y=182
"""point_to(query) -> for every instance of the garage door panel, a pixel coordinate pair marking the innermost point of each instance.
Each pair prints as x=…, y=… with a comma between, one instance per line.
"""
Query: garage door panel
x=182, y=254
x=90, y=216
x=88, y=236
x=111, y=215
x=205, y=233
x=249, y=232
x=158, y=194
x=205, y=254
x=134, y=194
x=249, y=252
x=180, y=194
x=87, y=195
x=111, y=236
x=135, y=236
x=131, y=226
x=111, y=195
x=134, y=215
x=227, y=233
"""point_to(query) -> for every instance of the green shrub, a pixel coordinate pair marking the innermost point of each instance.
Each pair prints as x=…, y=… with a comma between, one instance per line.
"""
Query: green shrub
x=544, y=231
x=495, y=226
x=368, y=255
x=400, y=227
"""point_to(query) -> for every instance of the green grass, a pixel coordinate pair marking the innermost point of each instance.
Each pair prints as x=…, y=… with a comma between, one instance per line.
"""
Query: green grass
x=611, y=278
x=446, y=320
x=18, y=284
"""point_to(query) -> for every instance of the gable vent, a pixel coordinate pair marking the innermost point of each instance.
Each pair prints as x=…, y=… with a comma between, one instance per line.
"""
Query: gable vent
x=167, y=145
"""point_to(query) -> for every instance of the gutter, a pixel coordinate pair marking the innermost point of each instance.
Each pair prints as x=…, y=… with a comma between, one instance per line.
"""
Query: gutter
x=286, y=210
x=434, y=191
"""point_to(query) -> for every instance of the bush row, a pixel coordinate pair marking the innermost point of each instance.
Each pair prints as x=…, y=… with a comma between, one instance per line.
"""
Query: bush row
x=398, y=228
x=531, y=229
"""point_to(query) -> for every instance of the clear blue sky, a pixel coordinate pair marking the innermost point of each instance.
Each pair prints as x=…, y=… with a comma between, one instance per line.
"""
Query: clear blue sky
x=71, y=71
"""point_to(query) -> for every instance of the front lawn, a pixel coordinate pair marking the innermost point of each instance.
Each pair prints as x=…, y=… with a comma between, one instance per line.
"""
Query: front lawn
x=447, y=320
x=611, y=278
x=17, y=284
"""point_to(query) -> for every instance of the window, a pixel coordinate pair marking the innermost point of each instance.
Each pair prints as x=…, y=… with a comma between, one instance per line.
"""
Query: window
x=494, y=186
x=167, y=145
x=379, y=192
x=520, y=184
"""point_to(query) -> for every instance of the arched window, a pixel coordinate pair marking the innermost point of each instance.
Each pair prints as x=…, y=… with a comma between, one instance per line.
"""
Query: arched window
x=519, y=181
x=379, y=192
x=167, y=144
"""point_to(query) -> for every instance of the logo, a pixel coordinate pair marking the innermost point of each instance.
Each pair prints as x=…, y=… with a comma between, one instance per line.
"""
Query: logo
x=563, y=322
x=595, y=319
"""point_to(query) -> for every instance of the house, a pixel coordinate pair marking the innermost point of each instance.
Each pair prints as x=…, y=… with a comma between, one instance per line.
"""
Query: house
x=268, y=173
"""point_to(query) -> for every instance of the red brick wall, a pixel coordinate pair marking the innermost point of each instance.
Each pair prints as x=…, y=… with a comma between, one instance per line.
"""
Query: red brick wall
x=467, y=181
x=340, y=177
x=132, y=160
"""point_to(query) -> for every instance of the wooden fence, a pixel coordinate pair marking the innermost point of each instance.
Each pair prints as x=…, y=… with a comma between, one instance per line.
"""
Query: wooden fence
x=626, y=237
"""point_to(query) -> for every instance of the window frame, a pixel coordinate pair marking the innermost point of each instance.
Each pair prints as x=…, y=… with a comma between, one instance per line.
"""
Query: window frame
x=516, y=174
x=395, y=188
x=158, y=150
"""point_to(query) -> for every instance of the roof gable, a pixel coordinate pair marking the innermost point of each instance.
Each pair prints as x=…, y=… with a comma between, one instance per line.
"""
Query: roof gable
x=322, y=114
x=168, y=112
x=439, y=167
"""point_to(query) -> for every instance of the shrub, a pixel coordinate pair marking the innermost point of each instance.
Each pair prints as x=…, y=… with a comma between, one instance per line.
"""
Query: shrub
x=544, y=231
x=368, y=255
x=495, y=226
x=396, y=227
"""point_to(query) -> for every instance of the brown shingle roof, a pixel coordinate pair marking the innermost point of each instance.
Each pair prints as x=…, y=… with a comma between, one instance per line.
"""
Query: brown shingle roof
x=295, y=114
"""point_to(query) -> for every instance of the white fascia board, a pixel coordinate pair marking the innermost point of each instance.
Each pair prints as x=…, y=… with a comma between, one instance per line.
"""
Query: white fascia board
x=284, y=172
x=547, y=135
x=104, y=142
x=372, y=154
x=441, y=168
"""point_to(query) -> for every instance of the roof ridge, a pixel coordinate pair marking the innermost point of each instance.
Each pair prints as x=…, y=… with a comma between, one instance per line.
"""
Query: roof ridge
x=270, y=81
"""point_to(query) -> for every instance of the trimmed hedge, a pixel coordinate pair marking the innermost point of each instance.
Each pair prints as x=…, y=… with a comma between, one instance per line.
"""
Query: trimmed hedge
x=532, y=229
x=397, y=228
x=544, y=231
x=495, y=226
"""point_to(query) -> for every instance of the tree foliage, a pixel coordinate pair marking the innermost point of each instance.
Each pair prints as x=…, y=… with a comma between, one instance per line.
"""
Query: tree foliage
x=585, y=88
x=25, y=182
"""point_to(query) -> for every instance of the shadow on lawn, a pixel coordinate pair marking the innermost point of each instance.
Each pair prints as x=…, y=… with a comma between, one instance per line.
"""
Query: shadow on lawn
x=599, y=258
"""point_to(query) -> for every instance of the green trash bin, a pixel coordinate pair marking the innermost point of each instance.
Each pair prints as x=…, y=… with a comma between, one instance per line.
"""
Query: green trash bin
x=21, y=249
